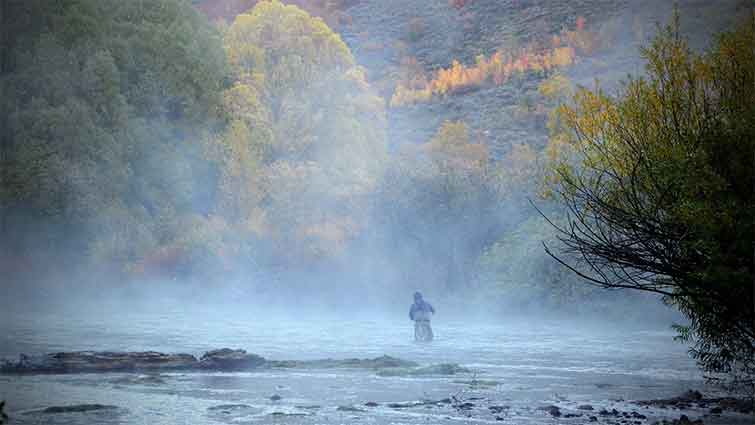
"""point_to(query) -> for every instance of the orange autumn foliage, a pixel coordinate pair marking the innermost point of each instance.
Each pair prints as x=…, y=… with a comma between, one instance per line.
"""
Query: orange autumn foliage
x=458, y=4
x=501, y=66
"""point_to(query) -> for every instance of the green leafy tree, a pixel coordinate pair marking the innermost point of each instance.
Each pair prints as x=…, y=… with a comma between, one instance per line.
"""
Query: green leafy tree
x=447, y=183
x=106, y=102
x=317, y=128
x=659, y=184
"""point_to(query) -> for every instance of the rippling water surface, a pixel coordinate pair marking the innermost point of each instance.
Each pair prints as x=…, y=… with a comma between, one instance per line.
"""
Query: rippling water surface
x=520, y=363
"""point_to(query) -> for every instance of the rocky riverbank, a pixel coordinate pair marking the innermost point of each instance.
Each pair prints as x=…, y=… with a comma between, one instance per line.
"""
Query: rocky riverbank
x=485, y=407
x=449, y=392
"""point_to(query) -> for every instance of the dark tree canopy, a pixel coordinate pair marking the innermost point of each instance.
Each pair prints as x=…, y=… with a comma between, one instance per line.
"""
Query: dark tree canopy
x=105, y=103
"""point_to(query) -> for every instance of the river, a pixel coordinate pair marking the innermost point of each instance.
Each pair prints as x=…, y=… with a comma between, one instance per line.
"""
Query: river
x=518, y=364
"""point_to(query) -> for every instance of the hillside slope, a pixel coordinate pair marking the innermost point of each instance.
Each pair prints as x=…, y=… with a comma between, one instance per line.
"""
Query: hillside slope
x=399, y=39
x=383, y=34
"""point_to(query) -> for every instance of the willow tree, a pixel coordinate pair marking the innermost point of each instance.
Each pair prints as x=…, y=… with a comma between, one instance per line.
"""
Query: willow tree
x=322, y=129
x=659, y=186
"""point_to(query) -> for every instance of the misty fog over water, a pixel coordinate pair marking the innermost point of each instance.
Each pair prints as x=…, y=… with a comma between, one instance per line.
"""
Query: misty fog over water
x=521, y=361
x=285, y=177
x=316, y=330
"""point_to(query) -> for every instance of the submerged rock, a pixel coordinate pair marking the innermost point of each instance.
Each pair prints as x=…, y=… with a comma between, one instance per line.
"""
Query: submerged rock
x=439, y=369
x=497, y=409
x=477, y=383
x=227, y=411
x=409, y=404
x=226, y=359
x=75, y=408
x=139, y=380
x=287, y=414
x=229, y=407
x=275, y=397
x=388, y=361
x=349, y=409
x=403, y=405
x=464, y=406
x=376, y=363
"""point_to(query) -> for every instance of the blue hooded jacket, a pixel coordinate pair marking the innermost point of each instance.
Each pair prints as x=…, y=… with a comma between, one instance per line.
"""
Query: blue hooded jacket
x=420, y=305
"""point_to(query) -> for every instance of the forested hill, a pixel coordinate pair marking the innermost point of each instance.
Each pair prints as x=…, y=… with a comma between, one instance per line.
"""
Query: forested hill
x=392, y=145
x=405, y=43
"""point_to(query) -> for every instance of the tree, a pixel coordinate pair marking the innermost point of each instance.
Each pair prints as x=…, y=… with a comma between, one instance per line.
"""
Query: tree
x=659, y=186
x=105, y=102
x=440, y=206
x=320, y=128
x=240, y=151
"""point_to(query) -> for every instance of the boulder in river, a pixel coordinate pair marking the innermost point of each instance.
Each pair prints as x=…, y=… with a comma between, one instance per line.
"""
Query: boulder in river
x=226, y=359
x=685, y=420
x=99, y=361
x=691, y=395
x=554, y=411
